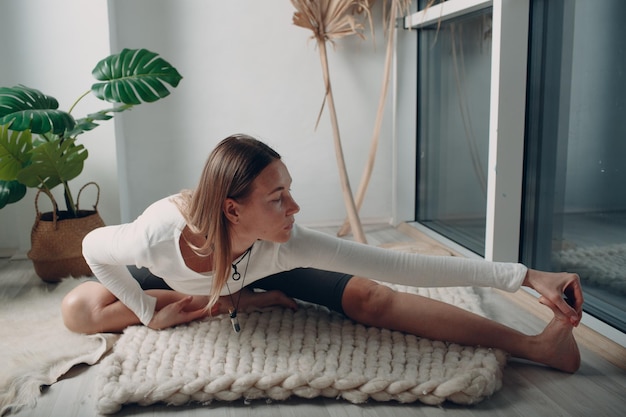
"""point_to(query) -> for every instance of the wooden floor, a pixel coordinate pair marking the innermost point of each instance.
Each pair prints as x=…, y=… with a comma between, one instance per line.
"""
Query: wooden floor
x=598, y=389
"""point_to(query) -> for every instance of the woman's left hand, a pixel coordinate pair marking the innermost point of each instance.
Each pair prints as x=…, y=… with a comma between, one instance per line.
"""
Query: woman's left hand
x=560, y=291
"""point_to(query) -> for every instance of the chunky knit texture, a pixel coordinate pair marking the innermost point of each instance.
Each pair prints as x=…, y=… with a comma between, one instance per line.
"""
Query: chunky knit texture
x=308, y=353
x=600, y=266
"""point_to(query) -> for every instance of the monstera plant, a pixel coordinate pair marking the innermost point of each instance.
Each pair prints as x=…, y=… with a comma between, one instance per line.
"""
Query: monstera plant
x=39, y=143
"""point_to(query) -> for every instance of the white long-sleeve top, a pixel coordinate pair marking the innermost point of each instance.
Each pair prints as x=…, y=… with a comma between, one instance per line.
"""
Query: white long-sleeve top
x=152, y=241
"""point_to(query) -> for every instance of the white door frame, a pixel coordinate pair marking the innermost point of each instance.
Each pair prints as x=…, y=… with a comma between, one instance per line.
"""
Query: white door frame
x=507, y=114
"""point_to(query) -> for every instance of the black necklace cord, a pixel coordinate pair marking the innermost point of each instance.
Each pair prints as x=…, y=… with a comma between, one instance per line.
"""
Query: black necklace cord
x=236, y=276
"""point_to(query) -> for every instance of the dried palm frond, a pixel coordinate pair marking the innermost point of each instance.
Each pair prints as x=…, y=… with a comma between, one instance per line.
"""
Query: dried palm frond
x=330, y=20
x=394, y=8
x=391, y=10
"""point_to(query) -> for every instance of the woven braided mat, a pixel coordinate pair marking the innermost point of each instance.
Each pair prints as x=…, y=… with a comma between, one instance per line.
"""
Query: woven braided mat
x=308, y=353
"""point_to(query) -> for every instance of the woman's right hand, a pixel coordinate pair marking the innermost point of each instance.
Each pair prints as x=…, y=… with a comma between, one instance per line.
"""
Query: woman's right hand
x=560, y=291
x=178, y=312
x=175, y=313
x=248, y=300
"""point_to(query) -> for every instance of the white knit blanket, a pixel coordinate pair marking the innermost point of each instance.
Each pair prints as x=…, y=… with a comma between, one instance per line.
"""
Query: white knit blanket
x=309, y=353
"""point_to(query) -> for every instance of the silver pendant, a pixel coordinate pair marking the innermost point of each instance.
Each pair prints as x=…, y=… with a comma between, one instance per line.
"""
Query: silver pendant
x=234, y=321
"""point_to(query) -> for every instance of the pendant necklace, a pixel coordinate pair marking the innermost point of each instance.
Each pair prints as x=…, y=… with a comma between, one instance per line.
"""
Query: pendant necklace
x=236, y=276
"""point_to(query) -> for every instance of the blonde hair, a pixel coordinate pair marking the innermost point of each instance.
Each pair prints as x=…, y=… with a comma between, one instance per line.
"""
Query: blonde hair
x=228, y=173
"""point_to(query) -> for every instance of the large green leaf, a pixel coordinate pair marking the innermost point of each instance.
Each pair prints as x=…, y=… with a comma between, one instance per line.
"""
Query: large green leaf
x=23, y=108
x=15, y=150
x=53, y=163
x=11, y=192
x=89, y=122
x=134, y=76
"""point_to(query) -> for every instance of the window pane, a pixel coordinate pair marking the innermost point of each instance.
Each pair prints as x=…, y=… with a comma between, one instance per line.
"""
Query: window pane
x=454, y=73
x=576, y=184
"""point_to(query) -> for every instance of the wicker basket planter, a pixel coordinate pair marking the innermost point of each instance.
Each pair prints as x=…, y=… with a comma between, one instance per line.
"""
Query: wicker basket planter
x=56, y=240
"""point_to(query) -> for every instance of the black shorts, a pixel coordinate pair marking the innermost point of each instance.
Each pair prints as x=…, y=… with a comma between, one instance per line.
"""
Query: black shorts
x=307, y=284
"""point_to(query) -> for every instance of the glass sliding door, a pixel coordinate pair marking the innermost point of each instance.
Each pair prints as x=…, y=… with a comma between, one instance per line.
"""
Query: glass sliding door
x=454, y=76
x=575, y=180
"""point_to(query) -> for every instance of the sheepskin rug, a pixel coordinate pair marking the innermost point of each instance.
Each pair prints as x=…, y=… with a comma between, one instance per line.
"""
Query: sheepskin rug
x=36, y=348
x=309, y=353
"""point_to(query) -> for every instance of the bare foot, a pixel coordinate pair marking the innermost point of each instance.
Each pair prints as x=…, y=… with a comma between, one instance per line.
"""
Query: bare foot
x=557, y=346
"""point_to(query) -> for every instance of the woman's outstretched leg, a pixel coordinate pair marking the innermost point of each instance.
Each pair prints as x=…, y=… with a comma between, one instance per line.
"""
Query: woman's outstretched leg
x=372, y=304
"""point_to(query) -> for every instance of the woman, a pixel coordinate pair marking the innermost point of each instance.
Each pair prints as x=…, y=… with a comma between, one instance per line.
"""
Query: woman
x=235, y=232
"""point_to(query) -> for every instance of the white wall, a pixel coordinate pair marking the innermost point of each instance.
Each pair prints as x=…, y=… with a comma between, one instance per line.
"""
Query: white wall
x=53, y=46
x=405, y=125
x=246, y=68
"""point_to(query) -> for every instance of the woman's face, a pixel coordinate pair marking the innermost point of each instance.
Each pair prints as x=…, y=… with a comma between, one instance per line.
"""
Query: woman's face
x=268, y=213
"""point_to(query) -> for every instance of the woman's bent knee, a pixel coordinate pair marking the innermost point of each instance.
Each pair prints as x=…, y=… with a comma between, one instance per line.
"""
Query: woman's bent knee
x=78, y=307
x=366, y=301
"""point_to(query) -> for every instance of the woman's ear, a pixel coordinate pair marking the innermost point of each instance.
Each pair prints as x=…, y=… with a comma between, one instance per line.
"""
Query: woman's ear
x=231, y=210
